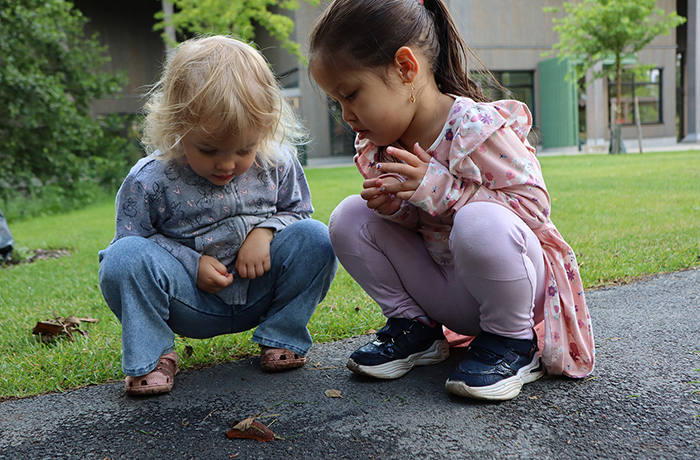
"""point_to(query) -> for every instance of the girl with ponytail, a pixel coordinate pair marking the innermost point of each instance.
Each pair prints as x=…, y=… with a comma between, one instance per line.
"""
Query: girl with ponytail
x=451, y=234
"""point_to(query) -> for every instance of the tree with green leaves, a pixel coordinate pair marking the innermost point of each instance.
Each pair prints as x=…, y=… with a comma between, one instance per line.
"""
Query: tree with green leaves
x=236, y=17
x=596, y=30
x=49, y=75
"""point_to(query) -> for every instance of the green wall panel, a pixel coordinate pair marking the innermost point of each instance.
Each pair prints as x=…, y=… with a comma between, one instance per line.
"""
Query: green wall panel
x=558, y=102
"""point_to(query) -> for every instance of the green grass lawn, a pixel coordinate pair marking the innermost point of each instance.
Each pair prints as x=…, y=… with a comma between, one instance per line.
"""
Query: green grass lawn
x=626, y=216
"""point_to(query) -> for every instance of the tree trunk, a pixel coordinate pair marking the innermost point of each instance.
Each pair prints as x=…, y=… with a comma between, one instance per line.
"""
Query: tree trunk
x=616, y=142
x=638, y=122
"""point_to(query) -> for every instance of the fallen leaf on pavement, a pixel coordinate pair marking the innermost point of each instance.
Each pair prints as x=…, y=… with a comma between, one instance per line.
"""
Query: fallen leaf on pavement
x=333, y=393
x=251, y=429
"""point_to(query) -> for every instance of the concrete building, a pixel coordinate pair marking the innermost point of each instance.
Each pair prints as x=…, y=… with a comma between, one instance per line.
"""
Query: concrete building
x=510, y=38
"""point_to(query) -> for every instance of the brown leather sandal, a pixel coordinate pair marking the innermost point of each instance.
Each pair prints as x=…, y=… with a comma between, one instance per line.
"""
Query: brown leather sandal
x=159, y=380
x=279, y=359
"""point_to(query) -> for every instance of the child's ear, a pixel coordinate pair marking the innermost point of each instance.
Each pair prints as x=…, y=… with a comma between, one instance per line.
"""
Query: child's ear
x=406, y=64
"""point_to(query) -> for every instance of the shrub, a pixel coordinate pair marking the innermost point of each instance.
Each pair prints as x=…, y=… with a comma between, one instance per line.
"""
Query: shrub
x=50, y=146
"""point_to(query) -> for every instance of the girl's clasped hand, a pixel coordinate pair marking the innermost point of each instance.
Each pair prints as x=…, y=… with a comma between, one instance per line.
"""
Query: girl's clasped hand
x=386, y=192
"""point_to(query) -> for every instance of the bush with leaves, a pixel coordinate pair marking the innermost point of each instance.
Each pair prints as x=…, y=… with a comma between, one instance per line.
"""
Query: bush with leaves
x=237, y=17
x=49, y=74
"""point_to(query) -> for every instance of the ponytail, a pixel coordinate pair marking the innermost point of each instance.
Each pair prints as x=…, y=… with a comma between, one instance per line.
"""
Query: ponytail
x=451, y=68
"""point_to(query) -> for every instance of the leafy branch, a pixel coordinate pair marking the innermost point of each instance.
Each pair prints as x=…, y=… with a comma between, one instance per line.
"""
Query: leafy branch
x=234, y=17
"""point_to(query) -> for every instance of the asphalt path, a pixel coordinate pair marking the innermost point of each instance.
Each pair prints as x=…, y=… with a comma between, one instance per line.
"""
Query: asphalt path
x=641, y=402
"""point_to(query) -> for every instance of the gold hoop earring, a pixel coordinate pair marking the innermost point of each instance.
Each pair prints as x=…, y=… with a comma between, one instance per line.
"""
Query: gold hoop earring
x=413, y=97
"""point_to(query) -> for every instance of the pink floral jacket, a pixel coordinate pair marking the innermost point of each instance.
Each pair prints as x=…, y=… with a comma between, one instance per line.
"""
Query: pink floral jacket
x=482, y=154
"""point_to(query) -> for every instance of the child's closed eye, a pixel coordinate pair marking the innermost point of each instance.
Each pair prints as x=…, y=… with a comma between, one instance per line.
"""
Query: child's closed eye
x=247, y=151
x=206, y=149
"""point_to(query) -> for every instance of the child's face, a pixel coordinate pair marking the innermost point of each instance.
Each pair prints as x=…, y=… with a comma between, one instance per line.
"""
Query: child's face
x=219, y=158
x=377, y=109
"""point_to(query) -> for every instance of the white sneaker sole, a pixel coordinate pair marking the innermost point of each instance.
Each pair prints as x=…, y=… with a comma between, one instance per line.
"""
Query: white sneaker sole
x=501, y=391
x=437, y=353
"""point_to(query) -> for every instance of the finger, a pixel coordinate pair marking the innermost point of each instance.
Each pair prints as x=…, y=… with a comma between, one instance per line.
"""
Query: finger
x=242, y=270
x=372, y=183
x=379, y=201
x=219, y=267
x=370, y=193
x=390, y=189
x=257, y=270
x=221, y=281
x=421, y=154
x=375, y=203
x=405, y=195
x=403, y=155
x=228, y=279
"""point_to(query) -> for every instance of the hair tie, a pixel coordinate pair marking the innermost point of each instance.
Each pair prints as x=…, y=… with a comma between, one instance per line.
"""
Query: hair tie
x=421, y=2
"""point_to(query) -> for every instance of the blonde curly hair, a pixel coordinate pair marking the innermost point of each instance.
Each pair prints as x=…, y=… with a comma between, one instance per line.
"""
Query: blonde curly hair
x=218, y=85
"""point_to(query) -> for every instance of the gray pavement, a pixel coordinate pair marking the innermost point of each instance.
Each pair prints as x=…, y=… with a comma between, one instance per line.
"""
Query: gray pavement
x=641, y=402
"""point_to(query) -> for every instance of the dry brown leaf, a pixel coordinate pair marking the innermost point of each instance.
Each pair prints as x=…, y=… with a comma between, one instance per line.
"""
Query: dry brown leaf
x=71, y=320
x=87, y=319
x=53, y=328
x=244, y=424
x=251, y=429
x=47, y=327
x=333, y=393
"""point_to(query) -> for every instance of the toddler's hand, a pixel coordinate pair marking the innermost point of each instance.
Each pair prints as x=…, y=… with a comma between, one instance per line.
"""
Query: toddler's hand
x=254, y=256
x=212, y=275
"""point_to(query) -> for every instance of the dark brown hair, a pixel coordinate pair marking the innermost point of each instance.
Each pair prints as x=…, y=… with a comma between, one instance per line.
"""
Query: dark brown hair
x=357, y=34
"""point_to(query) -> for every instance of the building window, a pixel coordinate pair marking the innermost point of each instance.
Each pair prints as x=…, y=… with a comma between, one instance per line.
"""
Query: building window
x=647, y=90
x=518, y=85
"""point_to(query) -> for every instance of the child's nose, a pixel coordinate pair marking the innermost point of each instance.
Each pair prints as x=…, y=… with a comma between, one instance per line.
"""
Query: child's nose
x=227, y=163
x=348, y=115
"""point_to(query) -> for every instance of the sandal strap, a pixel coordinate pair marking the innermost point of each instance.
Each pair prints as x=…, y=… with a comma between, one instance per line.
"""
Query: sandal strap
x=277, y=359
x=159, y=380
x=168, y=363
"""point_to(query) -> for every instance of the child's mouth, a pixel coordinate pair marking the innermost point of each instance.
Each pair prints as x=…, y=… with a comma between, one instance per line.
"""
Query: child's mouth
x=361, y=133
x=223, y=178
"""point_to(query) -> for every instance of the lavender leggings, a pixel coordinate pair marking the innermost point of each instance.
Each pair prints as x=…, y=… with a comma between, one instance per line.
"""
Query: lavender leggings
x=496, y=284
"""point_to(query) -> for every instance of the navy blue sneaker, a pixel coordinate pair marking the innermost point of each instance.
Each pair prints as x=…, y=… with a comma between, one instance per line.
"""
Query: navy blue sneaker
x=400, y=345
x=496, y=368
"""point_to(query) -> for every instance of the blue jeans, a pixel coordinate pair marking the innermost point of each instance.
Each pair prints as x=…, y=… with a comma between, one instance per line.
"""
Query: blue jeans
x=154, y=297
